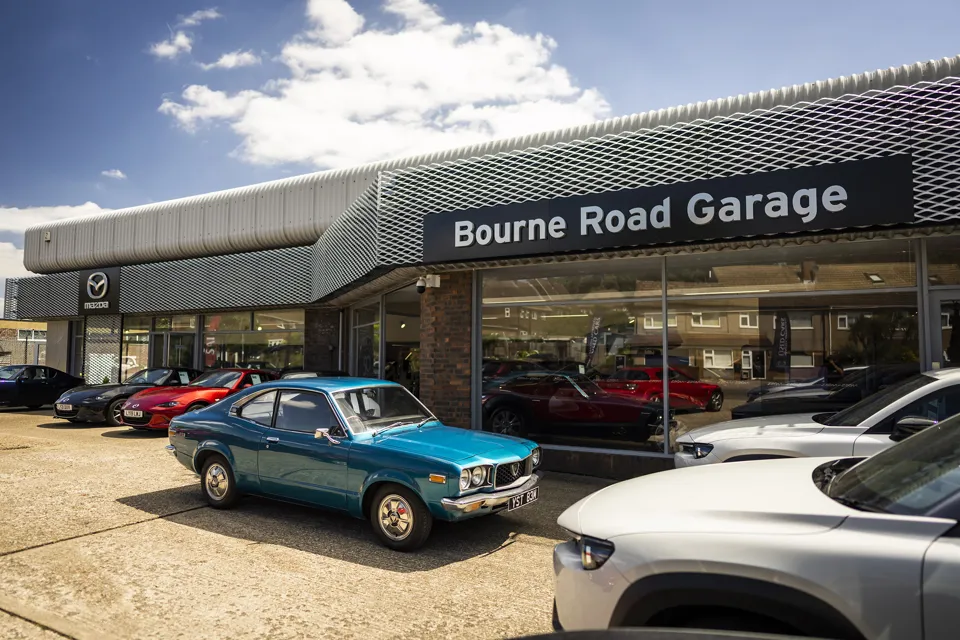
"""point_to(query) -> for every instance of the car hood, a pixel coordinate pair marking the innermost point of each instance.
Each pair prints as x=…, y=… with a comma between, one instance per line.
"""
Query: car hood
x=78, y=394
x=765, y=497
x=158, y=395
x=798, y=424
x=454, y=445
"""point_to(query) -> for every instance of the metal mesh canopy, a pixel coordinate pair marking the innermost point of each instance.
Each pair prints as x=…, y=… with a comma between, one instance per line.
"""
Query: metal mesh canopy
x=922, y=120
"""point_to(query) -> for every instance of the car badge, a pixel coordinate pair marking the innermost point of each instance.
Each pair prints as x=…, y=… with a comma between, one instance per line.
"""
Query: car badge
x=515, y=468
x=135, y=406
x=97, y=284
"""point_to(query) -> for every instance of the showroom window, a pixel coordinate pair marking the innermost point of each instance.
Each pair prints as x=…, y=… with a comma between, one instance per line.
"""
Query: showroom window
x=259, y=340
x=578, y=340
x=135, y=345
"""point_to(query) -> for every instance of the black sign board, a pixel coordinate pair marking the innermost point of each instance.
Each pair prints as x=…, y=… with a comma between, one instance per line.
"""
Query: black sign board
x=99, y=292
x=781, y=343
x=859, y=193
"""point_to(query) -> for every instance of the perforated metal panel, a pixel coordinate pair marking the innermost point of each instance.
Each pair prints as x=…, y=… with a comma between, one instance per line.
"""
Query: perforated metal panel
x=261, y=279
x=53, y=296
x=101, y=347
x=348, y=249
x=922, y=120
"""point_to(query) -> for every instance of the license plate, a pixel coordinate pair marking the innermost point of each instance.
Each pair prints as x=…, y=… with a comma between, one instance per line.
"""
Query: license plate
x=133, y=414
x=64, y=407
x=523, y=499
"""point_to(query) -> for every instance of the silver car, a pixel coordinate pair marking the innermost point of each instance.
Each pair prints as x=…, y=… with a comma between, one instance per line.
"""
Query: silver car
x=865, y=549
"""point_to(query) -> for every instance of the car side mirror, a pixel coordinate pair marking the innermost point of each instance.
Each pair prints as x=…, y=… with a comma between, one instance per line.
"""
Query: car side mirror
x=908, y=426
x=325, y=434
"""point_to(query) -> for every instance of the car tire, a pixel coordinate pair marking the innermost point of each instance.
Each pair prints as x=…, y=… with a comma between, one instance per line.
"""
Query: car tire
x=113, y=412
x=218, y=483
x=508, y=421
x=400, y=519
x=715, y=403
x=194, y=407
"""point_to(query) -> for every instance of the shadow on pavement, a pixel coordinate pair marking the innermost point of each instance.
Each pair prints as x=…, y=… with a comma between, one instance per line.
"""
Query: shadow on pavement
x=341, y=537
x=126, y=433
x=63, y=424
x=25, y=411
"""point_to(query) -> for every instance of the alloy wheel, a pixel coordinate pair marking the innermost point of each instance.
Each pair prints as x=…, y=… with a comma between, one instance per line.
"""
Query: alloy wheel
x=506, y=422
x=396, y=517
x=217, y=481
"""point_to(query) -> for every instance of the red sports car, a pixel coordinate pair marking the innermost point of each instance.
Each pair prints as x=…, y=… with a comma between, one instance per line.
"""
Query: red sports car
x=154, y=408
x=646, y=383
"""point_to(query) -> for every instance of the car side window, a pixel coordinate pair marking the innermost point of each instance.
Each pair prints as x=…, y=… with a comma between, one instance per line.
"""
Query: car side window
x=260, y=409
x=50, y=373
x=939, y=405
x=638, y=376
x=304, y=411
x=39, y=373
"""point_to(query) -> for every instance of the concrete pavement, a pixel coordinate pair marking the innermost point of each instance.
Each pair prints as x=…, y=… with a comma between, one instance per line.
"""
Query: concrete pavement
x=103, y=534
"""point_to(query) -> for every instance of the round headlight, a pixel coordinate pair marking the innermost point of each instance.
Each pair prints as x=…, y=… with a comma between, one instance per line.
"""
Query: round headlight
x=477, y=476
x=536, y=457
x=464, y=480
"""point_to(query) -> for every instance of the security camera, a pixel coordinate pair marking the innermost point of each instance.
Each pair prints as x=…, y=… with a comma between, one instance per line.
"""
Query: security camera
x=421, y=285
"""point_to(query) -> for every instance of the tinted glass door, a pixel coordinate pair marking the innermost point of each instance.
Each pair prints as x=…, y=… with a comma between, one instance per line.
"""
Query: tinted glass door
x=181, y=348
x=945, y=329
x=158, y=349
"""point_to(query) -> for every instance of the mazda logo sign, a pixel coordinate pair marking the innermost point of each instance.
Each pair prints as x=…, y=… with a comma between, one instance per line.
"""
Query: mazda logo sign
x=97, y=285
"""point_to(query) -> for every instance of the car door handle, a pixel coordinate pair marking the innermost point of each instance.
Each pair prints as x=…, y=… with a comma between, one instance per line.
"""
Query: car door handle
x=273, y=439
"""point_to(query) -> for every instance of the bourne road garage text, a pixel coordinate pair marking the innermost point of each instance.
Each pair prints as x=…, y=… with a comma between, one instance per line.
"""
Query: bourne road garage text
x=701, y=209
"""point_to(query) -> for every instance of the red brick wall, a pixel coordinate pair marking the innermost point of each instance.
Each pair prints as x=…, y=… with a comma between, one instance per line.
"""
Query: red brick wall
x=445, y=323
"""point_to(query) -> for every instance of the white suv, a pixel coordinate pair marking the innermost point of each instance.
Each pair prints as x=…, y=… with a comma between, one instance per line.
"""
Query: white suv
x=860, y=430
x=828, y=548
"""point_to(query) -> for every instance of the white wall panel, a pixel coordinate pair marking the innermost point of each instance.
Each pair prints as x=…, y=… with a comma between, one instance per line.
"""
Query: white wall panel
x=91, y=243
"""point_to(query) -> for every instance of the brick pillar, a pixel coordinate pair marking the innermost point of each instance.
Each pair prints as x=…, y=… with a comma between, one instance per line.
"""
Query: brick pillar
x=321, y=339
x=445, y=323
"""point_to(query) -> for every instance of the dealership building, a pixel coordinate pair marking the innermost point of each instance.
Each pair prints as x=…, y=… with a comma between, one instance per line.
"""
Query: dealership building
x=736, y=242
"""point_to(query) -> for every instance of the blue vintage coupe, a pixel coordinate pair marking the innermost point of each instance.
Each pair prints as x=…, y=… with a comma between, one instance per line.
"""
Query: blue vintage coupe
x=366, y=447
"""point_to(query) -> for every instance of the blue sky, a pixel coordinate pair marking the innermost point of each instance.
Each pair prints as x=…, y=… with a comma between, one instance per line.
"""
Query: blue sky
x=83, y=90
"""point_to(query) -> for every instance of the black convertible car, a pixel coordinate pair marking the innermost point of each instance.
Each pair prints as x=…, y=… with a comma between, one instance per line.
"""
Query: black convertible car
x=102, y=402
x=849, y=391
x=33, y=386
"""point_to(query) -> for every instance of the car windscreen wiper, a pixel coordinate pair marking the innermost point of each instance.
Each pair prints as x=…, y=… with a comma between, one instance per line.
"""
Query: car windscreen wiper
x=392, y=425
x=425, y=421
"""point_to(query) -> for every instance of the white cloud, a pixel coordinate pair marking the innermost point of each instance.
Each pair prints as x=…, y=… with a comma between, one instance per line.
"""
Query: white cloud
x=171, y=48
x=116, y=174
x=233, y=60
x=197, y=17
x=355, y=94
x=16, y=220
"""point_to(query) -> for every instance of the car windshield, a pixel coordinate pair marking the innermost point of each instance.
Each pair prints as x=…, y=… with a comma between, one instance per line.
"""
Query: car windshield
x=148, y=376
x=9, y=373
x=856, y=414
x=630, y=374
x=490, y=368
x=589, y=386
x=372, y=408
x=908, y=479
x=211, y=379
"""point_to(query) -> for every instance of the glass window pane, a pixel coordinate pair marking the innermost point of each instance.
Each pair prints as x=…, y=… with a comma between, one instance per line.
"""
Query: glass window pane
x=581, y=374
x=136, y=324
x=787, y=355
x=826, y=267
x=402, y=338
x=260, y=409
x=279, y=320
x=227, y=322
x=573, y=282
x=943, y=261
x=304, y=411
x=280, y=350
x=222, y=350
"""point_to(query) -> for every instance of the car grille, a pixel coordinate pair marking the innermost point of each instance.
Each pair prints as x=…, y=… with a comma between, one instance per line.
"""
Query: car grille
x=66, y=414
x=506, y=475
x=138, y=422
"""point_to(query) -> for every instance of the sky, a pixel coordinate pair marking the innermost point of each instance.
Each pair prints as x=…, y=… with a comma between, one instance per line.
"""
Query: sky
x=116, y=103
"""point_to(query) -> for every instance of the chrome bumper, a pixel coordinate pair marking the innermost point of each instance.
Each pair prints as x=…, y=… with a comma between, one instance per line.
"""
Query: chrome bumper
x=172, y=450
x=494, y=499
